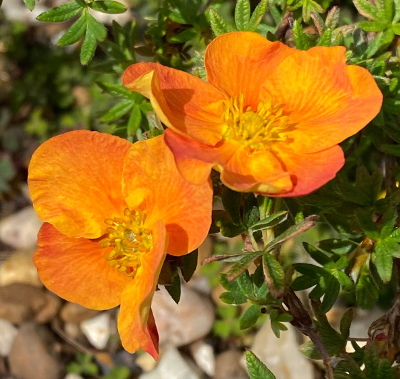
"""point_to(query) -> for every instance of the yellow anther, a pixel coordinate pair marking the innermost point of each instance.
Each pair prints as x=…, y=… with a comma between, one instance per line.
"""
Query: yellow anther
x=130, y=240
x=254, y=129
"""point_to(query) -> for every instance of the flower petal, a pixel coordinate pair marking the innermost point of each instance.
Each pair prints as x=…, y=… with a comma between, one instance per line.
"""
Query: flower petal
x=183, y=102
x=75, y=181
x=240, y=62
x=325, y=99
x=311, y=171
x=194, y=159
x=76, y=270
x=153, y=183
x=258, y=171
x=135, y=322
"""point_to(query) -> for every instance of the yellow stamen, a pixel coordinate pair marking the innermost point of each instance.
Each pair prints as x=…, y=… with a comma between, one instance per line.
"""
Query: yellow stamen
x=255, y=130
x=130, y=240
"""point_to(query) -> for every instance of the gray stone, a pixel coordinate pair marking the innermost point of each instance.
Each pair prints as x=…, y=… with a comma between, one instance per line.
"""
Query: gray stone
x=97, y=330
x=172, y=366
x=183, y=323
x=227, y=366
x=20, y=229
x=76, y=313
x=8, y=332
x=282, y=355
x=32, y=354
x=203, y=355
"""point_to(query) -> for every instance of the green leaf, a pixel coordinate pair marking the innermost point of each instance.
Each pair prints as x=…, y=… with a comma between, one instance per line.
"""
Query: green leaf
x=371, y=361
x=239, y=267
x=385, y=10
x=303, y=282
x=110, y=7
x=257, y=15
x=74, y=33
x=135, y=120
x=62, y=13
x=390, y=149
x=117, y=90
x=189, y=264
x=337, y=246
x=218, y=24
x=29, y=3
x=384, y=260
x=242, y=14
x=96, y=28
x=231, y=201
x=364, y=218
x=389, y=221
x=250, y=316
x=185, y=36
x=332, y=18
x=257, y=369
x=88, y=47
x=118, y=111
x=245, y=284
x=234, y=298
x=366, y=8
x=300, y=38
x=175, y=288
x=274, y=275
x=309, y=350
x=332, y=293
x=325, y=39
x=7, y=173
x=270, y=221
x=373, y=26
x=345, y=323
x=395, y=235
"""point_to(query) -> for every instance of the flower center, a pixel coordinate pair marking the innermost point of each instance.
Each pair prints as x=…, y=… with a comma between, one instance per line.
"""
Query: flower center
x=130, y=240
x=254, y=129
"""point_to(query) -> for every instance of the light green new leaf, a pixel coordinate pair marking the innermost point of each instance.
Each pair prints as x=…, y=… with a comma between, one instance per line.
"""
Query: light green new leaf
x=396, y=17
x=110, y=7
x=118, y=111
x=218, y=24
x=385, y=10
x=332, y=19
x=134, y=120
x=62, y=13
x=257, y=15
x=257, y=369
x=270, y=221
x=29, y=3
x=366, y=9
x=74, y=33
x=373, y=26
x=116, y=90
x=242, y=14
x=384, y=260
x=326, y=38
x=300, y=38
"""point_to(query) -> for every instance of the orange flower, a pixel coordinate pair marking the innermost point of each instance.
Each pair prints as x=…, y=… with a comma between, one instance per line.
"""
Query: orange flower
x=270, y=117
x=112, y=210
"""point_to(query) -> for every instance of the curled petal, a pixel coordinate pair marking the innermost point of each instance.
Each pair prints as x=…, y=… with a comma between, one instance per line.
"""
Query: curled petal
x=75, y=181
x=136, y=324
x=153, y=183
x=240, y=62
x=240, y=169
x=76, y=270
x=183, y=102
x=326, y=100
x=311, y=171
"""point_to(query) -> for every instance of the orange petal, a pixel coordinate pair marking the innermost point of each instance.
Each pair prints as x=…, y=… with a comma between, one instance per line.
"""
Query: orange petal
x=76, y=270
x=183, y=102
x=240, y=170
x=257, y=171
x=194, y=159
x=240, y=62
x=325, y=99
x=153, y=183
x=311, y=171
x=135, y=322
x=75, y=181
